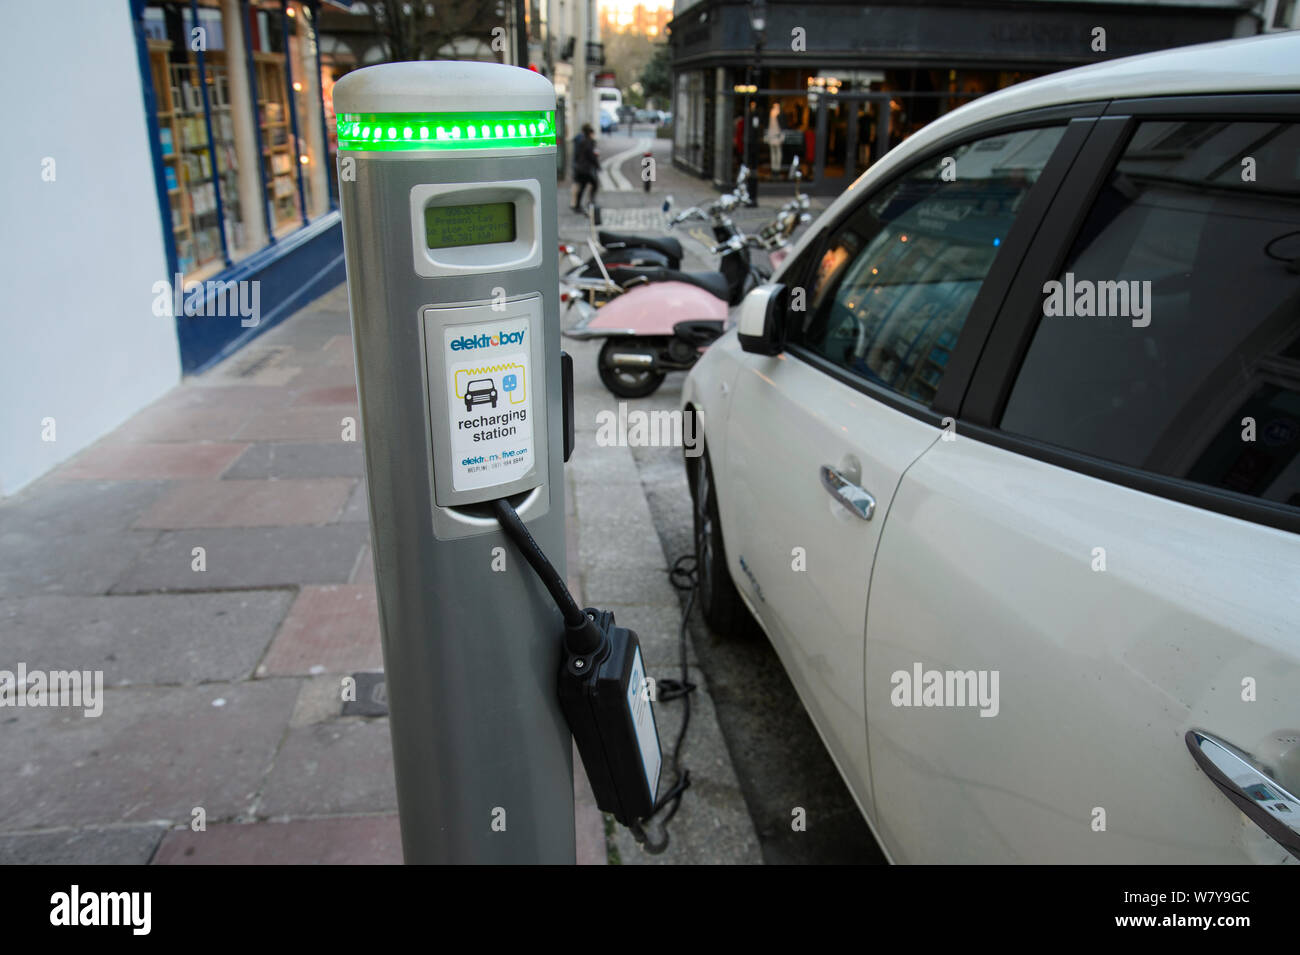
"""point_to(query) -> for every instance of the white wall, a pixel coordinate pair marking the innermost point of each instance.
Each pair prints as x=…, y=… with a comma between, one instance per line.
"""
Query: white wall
x=78, y=256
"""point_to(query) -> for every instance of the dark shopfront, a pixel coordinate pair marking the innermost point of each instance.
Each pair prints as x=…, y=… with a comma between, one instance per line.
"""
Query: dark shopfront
x=838, y=83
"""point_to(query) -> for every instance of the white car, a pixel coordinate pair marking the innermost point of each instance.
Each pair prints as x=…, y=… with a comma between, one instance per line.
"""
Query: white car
x=1006, y=463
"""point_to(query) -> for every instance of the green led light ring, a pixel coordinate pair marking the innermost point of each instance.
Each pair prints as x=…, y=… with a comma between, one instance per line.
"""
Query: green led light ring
x=397, y=132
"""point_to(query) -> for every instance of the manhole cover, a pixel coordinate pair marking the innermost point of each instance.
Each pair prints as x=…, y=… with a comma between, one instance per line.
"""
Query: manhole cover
x=372, y=696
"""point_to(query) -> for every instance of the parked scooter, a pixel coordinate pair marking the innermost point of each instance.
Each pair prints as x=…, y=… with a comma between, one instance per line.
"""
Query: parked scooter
x=645, y=337
x=624, y=249
x=627, y=250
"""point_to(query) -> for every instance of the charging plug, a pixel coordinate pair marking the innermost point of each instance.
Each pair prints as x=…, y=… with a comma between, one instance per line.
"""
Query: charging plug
x=607, y=703
x=604, y=694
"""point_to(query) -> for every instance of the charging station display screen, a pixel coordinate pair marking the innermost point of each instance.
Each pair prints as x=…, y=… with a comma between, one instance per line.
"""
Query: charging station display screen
x=446, y=227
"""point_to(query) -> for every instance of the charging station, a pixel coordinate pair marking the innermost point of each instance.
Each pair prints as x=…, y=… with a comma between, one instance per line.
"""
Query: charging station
x=447, y=185
x=449, y=232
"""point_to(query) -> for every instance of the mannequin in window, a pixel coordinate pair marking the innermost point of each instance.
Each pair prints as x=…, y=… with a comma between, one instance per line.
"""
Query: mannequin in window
x=774, y=138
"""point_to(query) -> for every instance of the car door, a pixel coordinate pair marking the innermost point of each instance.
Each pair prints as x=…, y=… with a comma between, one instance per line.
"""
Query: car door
x=820, y=435
x=1111, y=545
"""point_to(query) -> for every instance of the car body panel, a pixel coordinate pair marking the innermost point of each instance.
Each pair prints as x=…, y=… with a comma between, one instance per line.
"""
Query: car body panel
x=800, y=557
x=988, y=562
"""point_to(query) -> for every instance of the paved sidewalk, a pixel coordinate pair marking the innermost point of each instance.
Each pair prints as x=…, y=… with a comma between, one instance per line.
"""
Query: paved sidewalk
x=211, y=557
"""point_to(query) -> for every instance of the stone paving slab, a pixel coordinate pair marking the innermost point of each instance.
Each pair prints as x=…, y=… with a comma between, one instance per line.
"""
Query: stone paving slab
x=165, y=422
x=624, y=586
x=621, y=518
x=344, y=840
x=315, y=342
x=321, y=700
x=252, y=558
x=331, y=395
x=191, y=504
x=218, y=391
x=326, y=376
x=139, y=462
x=281, y=460
x=37, y=564
x=51, y=511
x=151, y=639
x=594, y=466
x=339, y=767
x=154, y=755
x=332, y=629
x=300, y=424
x=116, y=845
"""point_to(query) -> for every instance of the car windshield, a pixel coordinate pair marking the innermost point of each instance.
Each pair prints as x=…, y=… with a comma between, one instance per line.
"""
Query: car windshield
x=481, y=384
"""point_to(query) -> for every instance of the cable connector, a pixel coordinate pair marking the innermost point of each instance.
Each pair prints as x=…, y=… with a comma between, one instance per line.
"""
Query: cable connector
x=607, y=702
x=604, y=693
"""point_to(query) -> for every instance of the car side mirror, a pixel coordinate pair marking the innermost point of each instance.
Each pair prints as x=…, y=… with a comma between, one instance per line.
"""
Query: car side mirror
x=761, y=325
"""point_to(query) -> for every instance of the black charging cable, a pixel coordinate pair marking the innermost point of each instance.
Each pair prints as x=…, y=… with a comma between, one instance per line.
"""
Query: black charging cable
x=581, y=635
x=584, y=638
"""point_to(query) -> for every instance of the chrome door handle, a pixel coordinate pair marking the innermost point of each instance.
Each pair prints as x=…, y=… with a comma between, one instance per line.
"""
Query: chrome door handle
x=1264, y=801
x=855, y=498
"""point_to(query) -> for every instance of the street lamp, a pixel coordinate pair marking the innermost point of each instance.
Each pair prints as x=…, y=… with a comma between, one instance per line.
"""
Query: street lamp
x=757, y=23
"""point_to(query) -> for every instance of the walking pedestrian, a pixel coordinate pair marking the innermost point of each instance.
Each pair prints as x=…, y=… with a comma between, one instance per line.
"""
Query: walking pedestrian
x=586, y=166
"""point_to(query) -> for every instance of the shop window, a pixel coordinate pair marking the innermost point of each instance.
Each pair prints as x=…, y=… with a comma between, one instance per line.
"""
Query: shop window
x=277, y=152
x=197, y=139
x=279, y=176
x=202, y=240
x=312, y=153
x=187, y=152
x=223, y=148
x=233, y=161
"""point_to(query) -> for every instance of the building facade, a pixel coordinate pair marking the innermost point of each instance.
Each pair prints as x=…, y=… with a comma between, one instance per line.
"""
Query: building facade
x=573, y=54
x=837, y=83
x=173, y=194
x=172, y=198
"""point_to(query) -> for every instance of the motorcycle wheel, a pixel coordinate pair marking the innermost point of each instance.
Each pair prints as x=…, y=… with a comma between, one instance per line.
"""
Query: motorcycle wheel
x=625, y=382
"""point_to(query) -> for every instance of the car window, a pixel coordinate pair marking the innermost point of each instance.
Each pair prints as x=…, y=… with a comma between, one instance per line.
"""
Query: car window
x=892, y=287
x=1171, y=340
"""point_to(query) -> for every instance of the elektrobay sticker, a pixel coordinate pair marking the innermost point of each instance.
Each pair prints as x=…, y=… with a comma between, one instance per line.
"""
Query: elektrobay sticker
x=489, y=402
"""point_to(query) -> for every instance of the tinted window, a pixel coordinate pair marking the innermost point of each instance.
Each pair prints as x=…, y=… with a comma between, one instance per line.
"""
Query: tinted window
x=894, y=284
x=1172, y=342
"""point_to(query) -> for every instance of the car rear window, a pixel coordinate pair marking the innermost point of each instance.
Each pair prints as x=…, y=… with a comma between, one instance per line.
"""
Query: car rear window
x=1170, y=341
